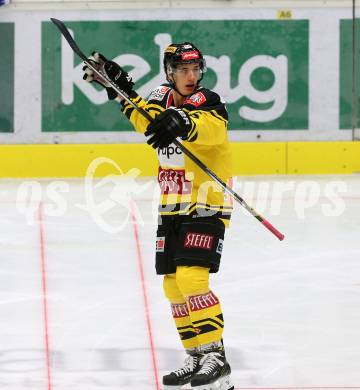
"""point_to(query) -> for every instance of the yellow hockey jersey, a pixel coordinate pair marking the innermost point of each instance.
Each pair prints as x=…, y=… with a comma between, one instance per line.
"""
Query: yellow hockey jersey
x=185, y=188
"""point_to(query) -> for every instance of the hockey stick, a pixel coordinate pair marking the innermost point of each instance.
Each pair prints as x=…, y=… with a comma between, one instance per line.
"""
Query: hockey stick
x=65, y=32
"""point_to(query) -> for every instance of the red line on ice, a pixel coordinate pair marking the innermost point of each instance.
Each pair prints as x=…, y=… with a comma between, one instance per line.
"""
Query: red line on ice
x=145, y=295
x=44, y=294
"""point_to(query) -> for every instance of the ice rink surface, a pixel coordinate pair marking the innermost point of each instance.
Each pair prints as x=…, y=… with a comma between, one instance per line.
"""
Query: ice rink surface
x=82, y=309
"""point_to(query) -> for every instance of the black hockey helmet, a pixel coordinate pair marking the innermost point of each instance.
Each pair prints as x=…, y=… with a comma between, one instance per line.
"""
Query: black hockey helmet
x=182, y=53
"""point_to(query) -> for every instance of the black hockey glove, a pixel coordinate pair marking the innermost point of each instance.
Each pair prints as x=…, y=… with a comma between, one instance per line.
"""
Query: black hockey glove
x=167, y=126
x=114, y=71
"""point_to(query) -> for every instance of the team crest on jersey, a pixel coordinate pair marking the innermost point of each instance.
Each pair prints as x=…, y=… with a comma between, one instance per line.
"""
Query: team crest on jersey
x=158, y=93
x=196, y=100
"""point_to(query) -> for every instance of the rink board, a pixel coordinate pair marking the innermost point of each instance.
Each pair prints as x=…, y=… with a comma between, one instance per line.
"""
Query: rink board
x=72, y=160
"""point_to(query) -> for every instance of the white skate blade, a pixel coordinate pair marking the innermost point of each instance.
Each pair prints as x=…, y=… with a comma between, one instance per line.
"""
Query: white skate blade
x=167, y=387
x=223, y=383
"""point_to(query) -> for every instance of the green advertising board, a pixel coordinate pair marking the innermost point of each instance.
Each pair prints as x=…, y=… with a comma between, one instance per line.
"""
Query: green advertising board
x=7, y=77
x=260, y=68
x=347, y=79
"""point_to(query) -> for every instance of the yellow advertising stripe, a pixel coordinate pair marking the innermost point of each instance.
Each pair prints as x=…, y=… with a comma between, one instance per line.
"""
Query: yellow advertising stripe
x=259, y=158
x=17, y=161
x=296, y=157
x=249, y=158
x=323, y=157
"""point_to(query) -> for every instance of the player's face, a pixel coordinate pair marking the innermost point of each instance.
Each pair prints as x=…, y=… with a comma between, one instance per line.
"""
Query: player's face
x=186, y=77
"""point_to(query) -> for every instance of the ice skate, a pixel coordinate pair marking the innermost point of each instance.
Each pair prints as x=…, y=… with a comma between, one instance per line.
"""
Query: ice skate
x=176, y=379
x=214, y=373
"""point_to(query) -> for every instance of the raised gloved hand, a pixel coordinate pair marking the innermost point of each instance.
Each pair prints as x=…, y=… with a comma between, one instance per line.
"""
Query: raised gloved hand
x=167, y=126
x=114, y=71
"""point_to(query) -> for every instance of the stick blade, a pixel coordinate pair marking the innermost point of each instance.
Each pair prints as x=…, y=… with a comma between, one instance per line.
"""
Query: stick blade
x=66, y=34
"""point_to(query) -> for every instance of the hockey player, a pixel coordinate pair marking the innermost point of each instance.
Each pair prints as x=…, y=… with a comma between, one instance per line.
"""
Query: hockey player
x=193, y=210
